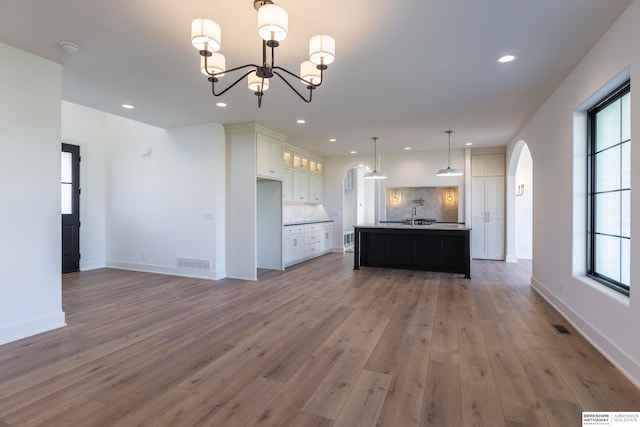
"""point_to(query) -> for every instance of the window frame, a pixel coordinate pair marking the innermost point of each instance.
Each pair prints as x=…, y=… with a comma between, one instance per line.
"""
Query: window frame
x=592, y=152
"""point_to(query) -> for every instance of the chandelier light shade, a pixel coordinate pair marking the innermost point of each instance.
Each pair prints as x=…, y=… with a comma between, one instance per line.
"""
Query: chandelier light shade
x=273, y=23
x=215, y=64
x=273, y=26
x=322, y=49
x=449, y=171
x=206, y=35
x=257, y=84
x=375, y=174
x=309, y=73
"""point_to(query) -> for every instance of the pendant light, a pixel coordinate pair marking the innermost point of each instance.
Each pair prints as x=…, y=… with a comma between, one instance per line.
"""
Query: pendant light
x=449, y=171
x=375, y=174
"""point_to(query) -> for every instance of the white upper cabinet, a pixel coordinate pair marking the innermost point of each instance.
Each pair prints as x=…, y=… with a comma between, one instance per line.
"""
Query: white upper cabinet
x=316, y=189
x=269, y=157
x=303, y=173
x=300, y=187
x=487, y=165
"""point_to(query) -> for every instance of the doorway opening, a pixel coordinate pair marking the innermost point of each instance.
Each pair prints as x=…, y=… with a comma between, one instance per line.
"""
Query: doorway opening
x=70, y=207
x=358, y=204
x=524, y=205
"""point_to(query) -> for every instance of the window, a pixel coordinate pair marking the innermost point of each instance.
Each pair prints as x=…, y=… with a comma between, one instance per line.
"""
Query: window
x=609, y=190
x=66, y=191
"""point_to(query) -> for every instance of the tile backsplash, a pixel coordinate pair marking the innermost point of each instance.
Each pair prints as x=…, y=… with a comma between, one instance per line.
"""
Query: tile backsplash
x=440, y=203
x=293, y=213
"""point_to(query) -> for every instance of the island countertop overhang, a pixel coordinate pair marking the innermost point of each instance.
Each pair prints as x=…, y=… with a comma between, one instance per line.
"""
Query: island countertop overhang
x=402, y=226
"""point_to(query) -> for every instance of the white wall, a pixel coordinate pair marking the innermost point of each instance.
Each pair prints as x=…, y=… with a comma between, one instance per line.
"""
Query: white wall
x=30, y=218
x=524, y=206
x=606, y=318
x=164, y=197
x=85, y=127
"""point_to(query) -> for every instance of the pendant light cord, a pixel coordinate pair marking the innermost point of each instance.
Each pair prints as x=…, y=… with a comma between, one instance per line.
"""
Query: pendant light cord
x=449, y=156
x=375, y=153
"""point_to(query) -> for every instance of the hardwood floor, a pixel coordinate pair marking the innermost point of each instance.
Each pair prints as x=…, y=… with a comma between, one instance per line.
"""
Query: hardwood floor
x=317, y=345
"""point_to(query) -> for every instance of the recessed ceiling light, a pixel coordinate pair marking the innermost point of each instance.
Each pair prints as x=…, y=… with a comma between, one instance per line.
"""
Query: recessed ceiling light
x=469, y=143
x=506, y=58
x=127, y=106
x=300, y=121
x=332, y=140
x=353, y=152
x=407, y=148
x=221, y=104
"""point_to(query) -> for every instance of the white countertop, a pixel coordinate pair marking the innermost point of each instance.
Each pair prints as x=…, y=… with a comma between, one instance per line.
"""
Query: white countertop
x=401, y=226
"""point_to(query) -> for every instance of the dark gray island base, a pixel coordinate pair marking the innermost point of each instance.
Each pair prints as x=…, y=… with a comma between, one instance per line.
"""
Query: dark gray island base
x=440, y=247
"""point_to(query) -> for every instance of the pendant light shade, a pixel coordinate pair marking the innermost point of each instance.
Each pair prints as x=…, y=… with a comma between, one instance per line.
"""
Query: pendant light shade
x=214, y=64
x=257, y=84
x=322, y=49
x=273, y=23
x=310, y=73
x=449, y=171
x=375, y=174
x=206, y=35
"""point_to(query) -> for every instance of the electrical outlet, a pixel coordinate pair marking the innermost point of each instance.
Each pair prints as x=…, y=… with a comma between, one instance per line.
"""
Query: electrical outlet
x=560, y=287
x=144, y=256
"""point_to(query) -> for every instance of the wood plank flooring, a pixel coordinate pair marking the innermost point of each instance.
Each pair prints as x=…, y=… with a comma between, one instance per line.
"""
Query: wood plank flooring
x=316, y=345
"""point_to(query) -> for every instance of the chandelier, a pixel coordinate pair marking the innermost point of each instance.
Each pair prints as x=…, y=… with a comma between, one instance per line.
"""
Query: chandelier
x=272, y=28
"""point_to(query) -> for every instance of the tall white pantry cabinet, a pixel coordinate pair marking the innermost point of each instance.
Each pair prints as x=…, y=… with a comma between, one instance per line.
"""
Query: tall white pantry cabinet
x=487, y=206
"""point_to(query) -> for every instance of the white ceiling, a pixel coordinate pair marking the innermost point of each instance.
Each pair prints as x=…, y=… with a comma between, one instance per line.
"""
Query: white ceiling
x=405, y=70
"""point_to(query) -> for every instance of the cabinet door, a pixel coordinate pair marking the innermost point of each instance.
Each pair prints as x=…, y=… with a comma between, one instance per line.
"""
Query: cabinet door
x=487, y=218
x=478, y=217
x=316, y=189
x=326, y=243
x=269, y=157
x=293, y=248
x=263, y=156
x=495, y=165
x=276, y=159
x=287, y=185
x=300, y=187
x=494, y=205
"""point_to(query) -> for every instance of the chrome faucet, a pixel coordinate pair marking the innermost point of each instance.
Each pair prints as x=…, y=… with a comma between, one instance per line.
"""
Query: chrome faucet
x=413, y=215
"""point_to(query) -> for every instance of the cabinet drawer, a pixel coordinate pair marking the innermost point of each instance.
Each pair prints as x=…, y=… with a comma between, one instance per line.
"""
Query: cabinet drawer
x=293, y=229
x=311, y=249
x=313, y=227
x=311, y=237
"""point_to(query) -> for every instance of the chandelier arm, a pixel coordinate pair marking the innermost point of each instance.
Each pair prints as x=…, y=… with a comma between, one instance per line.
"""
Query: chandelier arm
x=300, y=78
x=294, y=89
x=206, y=68
x=213, y=80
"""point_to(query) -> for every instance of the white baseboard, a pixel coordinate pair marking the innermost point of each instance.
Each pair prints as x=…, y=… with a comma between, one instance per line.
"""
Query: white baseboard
x=162, y=269
x=629, y=367
x=91, y=265
x=35, y=326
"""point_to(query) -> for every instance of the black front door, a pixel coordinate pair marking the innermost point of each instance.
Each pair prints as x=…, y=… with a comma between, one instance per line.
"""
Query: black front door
x=70, y=206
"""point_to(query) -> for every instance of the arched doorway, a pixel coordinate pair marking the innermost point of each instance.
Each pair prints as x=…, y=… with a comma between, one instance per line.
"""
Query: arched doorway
x=358, y=202
x=520, y=203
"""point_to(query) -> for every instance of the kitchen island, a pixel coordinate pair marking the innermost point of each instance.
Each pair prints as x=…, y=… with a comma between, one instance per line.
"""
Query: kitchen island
x=437, y=247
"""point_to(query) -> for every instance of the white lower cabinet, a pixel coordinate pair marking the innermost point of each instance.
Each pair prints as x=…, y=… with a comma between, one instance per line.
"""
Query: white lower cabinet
x=306, y=241
x=326, y=241
x=293, y=243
